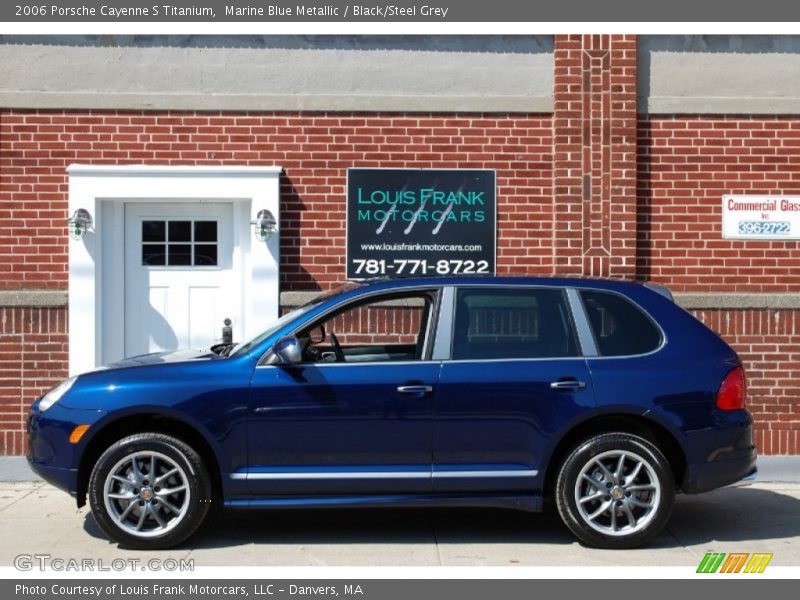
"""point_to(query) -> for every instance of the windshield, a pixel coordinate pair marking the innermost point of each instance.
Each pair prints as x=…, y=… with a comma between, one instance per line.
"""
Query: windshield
x=246, y=346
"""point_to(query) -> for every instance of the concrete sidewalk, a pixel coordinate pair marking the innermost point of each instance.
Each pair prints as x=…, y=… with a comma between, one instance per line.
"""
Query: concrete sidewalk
x=764, y=517
x=36, y=518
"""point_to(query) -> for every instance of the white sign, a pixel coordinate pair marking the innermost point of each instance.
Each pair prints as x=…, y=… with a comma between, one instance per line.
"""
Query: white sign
x=761, y=217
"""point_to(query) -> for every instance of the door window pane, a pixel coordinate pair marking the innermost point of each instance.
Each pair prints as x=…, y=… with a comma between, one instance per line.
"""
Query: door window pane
x=389, y=329
x=205, y=255
x=153, y=231
x=205, y=231
x=179, y=254
x=154, y=254
x=512, y=323
x=188, y=243
x=620, y=328
x=180, y=231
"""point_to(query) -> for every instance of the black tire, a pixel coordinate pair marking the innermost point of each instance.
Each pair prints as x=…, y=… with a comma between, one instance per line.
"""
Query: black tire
x=129, y=459
x=615, y=509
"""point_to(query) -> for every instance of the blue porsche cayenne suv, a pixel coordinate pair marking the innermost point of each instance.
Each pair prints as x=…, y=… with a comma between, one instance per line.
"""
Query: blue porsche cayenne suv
x=604, y=396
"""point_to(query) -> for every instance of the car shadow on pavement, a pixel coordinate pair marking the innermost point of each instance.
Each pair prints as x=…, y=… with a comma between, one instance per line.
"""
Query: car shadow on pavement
x=731, y=514
x=735, y=514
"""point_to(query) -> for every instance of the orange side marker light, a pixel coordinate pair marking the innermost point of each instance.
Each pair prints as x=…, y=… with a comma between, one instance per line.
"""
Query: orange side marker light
x=77, y=433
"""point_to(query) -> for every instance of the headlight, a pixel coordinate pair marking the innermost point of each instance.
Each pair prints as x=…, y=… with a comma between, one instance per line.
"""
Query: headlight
x=55, y=394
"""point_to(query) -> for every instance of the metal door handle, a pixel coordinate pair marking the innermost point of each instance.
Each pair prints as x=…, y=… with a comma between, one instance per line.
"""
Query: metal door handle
x=414, y=389
x=567, y=384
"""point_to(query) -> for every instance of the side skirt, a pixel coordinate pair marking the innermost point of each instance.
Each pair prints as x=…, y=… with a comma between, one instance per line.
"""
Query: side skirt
x=530, y=503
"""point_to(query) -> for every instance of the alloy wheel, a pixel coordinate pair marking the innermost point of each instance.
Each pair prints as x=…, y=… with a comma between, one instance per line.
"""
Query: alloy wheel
x=617, y=493
x=146, y=494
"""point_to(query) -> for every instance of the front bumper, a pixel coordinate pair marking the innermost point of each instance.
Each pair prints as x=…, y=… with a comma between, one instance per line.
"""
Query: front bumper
x=63, y=479
x=50, y=454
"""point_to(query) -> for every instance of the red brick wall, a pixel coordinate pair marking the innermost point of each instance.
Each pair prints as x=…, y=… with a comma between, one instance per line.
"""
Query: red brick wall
x=377, y=324
x=768, y=341
x=582, y=191
x=315, y=151
x=595, y=155
x=33, y=358
x=685, y=166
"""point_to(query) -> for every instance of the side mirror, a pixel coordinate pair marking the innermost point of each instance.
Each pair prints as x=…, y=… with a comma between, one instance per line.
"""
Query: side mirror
x=287, y=351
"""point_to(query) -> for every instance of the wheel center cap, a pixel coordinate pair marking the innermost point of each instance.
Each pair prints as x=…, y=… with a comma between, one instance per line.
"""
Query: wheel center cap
x=617, y=493
x=146, y=494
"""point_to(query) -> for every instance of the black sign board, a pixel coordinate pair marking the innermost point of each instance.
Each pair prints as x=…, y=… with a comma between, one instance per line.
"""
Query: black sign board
x=417, y=223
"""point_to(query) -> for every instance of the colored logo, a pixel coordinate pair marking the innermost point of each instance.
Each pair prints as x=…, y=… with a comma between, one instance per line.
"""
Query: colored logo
x=735, y=562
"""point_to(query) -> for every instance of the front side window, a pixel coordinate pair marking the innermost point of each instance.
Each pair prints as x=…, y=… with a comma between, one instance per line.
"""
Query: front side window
x=512, y=323
x=620, y=328
x=380, y=330
x=292, y=315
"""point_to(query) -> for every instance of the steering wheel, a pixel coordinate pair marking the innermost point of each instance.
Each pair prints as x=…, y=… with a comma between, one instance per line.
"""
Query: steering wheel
x=337, y=348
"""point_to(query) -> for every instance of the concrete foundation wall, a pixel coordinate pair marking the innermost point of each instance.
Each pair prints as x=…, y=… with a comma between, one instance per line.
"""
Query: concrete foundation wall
x=342, y=73
x=719, y=74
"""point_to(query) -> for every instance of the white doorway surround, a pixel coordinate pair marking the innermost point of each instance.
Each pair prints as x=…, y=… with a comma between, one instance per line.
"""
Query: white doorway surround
x=130, y=205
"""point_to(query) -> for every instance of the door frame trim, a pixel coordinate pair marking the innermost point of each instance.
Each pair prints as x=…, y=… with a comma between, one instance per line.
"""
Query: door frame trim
x=104, y=189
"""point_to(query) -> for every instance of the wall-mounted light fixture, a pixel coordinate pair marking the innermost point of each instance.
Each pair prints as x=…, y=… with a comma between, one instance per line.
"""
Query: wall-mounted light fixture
x=264, y=225
x=79, y=223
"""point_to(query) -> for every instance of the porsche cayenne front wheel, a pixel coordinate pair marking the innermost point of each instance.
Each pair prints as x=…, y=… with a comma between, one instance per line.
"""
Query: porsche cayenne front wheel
x=150, y=491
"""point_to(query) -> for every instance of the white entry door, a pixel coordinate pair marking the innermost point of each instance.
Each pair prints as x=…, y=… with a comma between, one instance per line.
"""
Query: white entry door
x=180, y=279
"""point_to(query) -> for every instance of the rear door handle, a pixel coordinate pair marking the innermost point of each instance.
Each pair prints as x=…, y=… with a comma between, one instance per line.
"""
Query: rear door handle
x=414, y=389
x=567, y=384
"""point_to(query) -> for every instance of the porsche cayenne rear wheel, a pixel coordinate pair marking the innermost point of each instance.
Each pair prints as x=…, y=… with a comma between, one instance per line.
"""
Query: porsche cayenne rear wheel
x=615, y=490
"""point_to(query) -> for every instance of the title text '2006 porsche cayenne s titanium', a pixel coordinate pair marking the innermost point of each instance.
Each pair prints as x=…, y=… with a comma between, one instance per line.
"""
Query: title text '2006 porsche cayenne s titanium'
x=603, y=395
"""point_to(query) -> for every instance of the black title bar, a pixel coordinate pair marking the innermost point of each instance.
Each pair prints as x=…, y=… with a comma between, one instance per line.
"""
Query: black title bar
x=398, y=11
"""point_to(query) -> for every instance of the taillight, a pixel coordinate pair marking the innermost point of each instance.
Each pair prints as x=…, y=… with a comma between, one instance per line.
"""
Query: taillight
x=732, y=392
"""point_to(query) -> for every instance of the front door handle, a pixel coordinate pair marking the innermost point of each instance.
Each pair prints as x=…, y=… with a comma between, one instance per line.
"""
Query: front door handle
x=567, y=384
x=414, y=389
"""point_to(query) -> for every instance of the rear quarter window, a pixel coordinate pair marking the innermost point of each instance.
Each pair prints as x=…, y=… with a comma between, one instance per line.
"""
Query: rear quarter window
x=620, y=327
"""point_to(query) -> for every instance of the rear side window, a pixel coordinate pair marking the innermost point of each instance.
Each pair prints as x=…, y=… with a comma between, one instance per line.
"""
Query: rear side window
x=512, y=323
x=620, y=328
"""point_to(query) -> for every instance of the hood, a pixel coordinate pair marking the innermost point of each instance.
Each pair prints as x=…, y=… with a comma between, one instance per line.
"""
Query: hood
x=168, y=356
